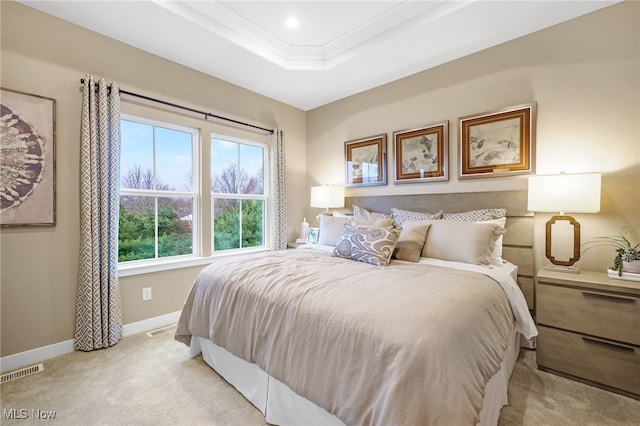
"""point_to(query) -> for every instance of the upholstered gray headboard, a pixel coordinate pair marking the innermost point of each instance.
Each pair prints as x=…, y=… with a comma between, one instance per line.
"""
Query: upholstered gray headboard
x=517, y=242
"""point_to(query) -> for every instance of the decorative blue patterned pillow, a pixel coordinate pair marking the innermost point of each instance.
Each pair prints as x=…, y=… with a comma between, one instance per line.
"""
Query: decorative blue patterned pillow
x=370, y=245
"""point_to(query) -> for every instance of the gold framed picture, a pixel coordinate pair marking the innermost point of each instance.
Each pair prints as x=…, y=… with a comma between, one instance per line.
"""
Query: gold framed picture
x=365, y=161
x=422, y=154
x=497, y=143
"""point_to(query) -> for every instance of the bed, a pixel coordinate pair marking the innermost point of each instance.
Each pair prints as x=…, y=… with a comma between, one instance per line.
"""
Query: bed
x=316, y=336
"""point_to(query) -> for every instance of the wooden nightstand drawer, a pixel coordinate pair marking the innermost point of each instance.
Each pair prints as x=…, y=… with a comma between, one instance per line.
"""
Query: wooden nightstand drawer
x=590, y=358
x=610, y=315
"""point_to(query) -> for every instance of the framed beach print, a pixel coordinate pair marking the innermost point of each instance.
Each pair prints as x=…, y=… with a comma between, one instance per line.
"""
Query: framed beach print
x=497, y=143
x=365, y=161
x=27, y=138
x=421, y=155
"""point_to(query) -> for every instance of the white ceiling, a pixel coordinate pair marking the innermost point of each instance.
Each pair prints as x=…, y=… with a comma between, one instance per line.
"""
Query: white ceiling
x=339, y=48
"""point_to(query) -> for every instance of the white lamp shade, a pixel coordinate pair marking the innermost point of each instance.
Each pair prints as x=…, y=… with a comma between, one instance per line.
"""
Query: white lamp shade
x=327, y=196
x=574, y=193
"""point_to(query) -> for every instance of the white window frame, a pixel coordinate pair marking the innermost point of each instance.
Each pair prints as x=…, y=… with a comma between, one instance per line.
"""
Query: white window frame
x=230, y=196
x=201, y=213
x=162, y=263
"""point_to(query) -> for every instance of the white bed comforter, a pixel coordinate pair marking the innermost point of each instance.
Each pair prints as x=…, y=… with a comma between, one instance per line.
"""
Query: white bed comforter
x=405, y=344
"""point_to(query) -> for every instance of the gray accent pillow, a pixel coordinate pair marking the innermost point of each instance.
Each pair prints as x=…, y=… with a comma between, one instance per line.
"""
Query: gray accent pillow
x=370, y=245
x=411, y=241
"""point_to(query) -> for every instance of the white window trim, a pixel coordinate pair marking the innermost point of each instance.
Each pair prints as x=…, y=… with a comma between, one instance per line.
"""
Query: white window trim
x=263, y=197
x=165, y=263
x=139, y=267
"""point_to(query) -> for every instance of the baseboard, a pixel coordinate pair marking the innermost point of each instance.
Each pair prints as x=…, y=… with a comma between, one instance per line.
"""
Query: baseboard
x=34, y=356
x=150, y=324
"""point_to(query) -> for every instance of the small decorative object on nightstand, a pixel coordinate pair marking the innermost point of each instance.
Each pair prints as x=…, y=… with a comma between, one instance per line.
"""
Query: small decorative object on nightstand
x=312, y=236
x=589, y=329
x=304, y=229
x=626, y=263
x=294, y=245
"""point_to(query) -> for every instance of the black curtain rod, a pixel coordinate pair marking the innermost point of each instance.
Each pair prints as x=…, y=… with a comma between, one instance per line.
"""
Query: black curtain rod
x=206, y=114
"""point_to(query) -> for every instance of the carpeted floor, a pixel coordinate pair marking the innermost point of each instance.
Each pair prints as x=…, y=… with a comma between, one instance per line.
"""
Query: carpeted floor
x=537, y=398
x=152, y=381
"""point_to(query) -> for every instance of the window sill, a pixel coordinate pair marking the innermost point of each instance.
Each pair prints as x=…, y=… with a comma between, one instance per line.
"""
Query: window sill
x=147, y=267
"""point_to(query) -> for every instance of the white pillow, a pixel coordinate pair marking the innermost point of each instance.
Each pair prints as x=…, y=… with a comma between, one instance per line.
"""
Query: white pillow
x=386, y=222
x=331, y=228
x=468, y=242
x=484, y=216
x=497, y=249
x=342, y=213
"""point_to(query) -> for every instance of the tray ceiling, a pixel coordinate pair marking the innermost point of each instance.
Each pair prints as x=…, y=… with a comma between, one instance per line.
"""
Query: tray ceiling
x=338, y=49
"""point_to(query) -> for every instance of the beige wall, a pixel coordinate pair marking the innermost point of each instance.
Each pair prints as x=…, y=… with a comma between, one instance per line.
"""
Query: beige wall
x=584, y=76
x=47, y=56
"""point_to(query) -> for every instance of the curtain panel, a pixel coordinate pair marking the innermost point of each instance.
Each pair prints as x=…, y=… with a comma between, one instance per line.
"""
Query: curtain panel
x=277, y=190
x=98, y=305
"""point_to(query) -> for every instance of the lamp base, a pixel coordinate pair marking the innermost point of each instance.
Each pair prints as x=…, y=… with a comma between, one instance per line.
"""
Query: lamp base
x=560, y=268
x=576, y=240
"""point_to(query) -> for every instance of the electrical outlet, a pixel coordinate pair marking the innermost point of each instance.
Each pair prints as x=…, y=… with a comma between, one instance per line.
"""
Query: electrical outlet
x=146, y=294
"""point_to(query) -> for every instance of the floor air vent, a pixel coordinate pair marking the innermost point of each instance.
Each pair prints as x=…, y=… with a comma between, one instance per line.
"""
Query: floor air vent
x=23, y=372
x=162, y=330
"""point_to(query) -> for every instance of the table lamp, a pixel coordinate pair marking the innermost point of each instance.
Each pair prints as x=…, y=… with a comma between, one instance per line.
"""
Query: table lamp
x=575, y=193
x=327, y=197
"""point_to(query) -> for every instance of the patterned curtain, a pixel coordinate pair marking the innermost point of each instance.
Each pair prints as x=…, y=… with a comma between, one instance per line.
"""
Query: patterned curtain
x=277, y=190
x=98, y=306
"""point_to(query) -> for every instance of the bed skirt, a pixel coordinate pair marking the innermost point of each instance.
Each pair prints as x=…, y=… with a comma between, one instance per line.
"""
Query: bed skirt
x=281, y=406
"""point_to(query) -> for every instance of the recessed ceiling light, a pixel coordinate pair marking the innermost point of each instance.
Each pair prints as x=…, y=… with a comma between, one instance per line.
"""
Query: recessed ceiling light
x=292, y=22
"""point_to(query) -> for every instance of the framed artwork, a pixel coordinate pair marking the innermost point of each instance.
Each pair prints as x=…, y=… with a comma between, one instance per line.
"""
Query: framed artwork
x=312, y=236
x=497, y=143
x=421, y=155
x=366, y=161
x=27, y=139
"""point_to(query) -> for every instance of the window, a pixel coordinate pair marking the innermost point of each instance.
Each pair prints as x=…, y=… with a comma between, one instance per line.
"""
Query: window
x=158, y=190
x=238, y=197
x=164, y=169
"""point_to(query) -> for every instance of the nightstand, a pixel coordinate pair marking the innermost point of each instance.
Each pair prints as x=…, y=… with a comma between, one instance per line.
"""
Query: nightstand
x=589, y=329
